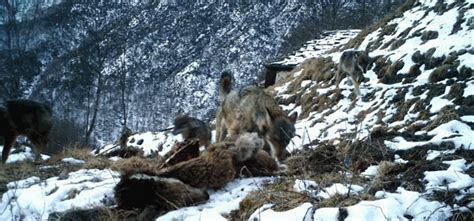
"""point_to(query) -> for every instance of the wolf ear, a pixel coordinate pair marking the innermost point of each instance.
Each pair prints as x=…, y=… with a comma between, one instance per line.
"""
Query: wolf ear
x=293, y=117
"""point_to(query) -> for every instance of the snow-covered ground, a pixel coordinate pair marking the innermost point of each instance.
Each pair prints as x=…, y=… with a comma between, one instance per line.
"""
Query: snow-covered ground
x=318, y=47
x=149, y=142
x=33, y=198
x=26, y=154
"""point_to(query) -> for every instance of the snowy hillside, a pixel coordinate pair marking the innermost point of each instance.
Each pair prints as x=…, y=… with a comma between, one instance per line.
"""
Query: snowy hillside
x=403, y=150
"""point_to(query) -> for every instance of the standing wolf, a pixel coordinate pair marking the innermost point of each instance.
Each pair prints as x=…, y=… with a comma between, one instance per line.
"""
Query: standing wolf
x=193, y=128
x=355, y=64
x=28, y=118
x=250, y=109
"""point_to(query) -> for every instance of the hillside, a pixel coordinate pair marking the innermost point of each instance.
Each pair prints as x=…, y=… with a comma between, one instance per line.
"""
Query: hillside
x=139, y=63
x=402, y=150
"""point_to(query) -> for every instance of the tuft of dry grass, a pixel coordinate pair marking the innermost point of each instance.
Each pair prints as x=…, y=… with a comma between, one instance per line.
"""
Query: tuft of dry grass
x=76, y=153
x=16, y=171
x=446, y=114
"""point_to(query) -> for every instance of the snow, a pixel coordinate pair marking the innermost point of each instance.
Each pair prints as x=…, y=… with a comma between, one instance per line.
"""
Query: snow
x=371, y=171
x=73, y=161
x=439, y=102
x=319, y=47
x=267, y=213
x=456, y=131
x=469, y=90
x=149, y=142
x=393, y=206
x=340, y=189
x=447, y=180
x=81, y=189
x=221, y=202
x=304, y=185
x=25, y=154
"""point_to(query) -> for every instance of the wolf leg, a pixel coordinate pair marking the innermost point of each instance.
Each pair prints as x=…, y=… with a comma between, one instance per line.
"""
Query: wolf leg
x=9, y=141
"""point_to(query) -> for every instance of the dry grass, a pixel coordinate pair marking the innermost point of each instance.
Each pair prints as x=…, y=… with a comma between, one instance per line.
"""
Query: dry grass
x=279, y=194
x=76, y=153
x=100, y=214
x=378, y=182
x=320, y=70
x=16, y=171
x=136, y=165
x=386, y=29
x=446, y=114
x=339, y=200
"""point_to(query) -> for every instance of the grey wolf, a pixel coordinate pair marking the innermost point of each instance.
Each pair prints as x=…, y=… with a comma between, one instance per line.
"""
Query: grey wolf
x=355, y=64
x=25, y=117
x=192, y=128
x=250, y=109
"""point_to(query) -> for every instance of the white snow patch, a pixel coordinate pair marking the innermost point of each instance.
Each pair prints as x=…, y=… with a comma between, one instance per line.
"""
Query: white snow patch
x=469, y=90
x=33, y=199
x=340, y=189
x=220, y=203
x=371, y=171
x=149, y=142
x=72, y=161
x=27, y=154
x=267, y=213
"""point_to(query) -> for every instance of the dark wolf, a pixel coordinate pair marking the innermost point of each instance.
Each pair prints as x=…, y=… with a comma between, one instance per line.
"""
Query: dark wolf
x=355, y=64
x=25, y=117
x=192, y=128
x=250, y=109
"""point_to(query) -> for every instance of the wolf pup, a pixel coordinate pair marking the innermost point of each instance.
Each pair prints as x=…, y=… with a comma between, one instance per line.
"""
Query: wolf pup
x=355, y=64
x=250, y=109
x=192, y=128
x=25, y=117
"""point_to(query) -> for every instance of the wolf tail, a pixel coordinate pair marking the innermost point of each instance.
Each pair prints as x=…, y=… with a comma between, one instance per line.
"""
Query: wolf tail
x=226, y=82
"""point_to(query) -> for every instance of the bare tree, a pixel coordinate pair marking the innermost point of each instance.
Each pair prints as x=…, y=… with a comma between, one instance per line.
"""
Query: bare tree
x=331, y=12
x=93, y=59
x=19, y=63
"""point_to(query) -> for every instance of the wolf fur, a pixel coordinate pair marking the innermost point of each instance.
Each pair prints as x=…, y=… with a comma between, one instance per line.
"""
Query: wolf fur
x=182, y=184
x=219, y=165
x=354, y=63
x=193, y=128
x=25, y=117
x=141, y=190
x=250, y=109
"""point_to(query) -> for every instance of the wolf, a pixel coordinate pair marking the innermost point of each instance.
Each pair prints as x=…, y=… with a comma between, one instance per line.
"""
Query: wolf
x=25, y=117
x=355, y=64
x=250, y=109
x=192, y=128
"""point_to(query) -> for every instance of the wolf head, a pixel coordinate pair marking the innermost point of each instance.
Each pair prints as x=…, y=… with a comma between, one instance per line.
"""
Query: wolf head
x=226, y=82
x=362, y=60
x=180, y=124
x=278, y=129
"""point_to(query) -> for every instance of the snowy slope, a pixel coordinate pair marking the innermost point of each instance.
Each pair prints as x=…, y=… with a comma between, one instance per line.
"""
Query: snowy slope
x=414, y=107
x=424, y=122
